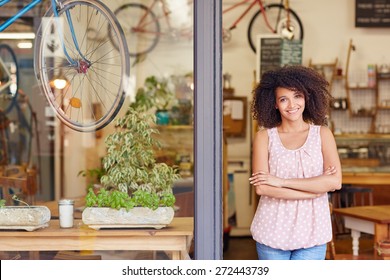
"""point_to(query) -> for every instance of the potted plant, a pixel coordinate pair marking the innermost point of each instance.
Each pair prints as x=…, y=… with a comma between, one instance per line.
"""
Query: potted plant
x=24, y=216
x=158, y=93
x=136, y=190
x=93, y=176
x=383, y=248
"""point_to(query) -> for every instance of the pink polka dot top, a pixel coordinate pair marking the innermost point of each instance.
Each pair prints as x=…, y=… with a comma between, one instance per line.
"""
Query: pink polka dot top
x=293, y=224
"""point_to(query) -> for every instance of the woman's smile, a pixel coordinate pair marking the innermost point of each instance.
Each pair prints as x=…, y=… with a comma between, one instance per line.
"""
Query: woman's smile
x=293, y=111
x=290, y=103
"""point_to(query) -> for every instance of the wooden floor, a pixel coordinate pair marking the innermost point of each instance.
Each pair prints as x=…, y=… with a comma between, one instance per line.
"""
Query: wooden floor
x=244, y=248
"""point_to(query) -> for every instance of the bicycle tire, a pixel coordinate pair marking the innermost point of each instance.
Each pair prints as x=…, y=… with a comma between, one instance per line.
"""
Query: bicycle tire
x=257, y=25
x=20, y=139
x=98, y=82
x=138, y=42
x=9, y=95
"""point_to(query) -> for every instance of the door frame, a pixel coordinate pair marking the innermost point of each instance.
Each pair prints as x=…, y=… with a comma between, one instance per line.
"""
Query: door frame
x=208, y=130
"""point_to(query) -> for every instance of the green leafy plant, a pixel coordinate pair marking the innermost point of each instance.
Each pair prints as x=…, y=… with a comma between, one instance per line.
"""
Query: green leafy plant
x=156, y=92
x=2, y=203
x=132, y=177
x=117, y=199
x=93, y=176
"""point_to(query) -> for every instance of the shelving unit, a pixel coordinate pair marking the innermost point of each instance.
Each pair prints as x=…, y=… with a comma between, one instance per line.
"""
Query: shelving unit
x=176, y=147
x=337, y=86
x=382, y=121
x=358, y=107
x=362, y=92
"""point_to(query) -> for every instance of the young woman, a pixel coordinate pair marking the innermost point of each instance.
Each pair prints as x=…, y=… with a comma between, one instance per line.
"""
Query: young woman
x=295, y=165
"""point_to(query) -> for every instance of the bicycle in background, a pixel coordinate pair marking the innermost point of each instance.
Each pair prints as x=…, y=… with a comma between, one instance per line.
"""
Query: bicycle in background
x=96, y=74
x=146, y=23
x=9, y=78
x=269, y=19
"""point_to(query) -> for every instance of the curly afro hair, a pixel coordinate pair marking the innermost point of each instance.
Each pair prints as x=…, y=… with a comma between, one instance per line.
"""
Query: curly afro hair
x=301, y=79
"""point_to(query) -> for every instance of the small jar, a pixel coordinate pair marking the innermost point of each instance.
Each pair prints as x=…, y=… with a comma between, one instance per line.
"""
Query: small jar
x=65, y=209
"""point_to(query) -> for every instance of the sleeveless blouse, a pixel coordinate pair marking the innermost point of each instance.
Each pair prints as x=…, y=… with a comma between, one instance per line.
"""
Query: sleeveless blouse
x=290, y=224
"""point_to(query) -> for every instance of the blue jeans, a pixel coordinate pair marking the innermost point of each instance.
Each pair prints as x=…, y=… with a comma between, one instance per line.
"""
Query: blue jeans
x=313, y=253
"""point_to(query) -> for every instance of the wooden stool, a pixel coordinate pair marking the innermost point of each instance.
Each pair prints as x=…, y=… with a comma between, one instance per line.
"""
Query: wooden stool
x=349, y=196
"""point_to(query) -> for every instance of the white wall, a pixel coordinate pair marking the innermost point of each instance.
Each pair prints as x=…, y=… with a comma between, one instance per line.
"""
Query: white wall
x=328, y=27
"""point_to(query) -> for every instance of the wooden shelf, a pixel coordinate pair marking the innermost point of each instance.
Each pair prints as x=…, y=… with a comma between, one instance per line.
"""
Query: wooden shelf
x=366, y=114
x=338, y=77
x=369, y=136
x=352, y=162
x=362, y=88
x=380, y=77
x=175, y=127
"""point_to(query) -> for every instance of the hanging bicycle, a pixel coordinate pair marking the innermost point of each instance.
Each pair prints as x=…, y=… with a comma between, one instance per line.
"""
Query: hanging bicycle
x=97, y=74
x=269, y=19
x=146, y=23
x=9, y=78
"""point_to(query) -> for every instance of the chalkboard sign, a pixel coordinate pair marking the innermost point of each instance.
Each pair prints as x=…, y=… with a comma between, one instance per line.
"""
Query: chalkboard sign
x=270, y=51
x=291, y=52
x=372, y=13
x=274, y=52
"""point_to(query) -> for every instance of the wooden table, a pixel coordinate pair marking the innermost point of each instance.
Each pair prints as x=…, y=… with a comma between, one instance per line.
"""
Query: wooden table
x=368, y=219
x=175, y=238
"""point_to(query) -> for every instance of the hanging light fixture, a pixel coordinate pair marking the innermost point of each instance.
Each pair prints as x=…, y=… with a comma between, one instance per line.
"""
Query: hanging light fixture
x=59, y=81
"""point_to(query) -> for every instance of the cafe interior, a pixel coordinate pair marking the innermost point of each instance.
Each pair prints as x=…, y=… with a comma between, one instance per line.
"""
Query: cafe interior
x=52, y=157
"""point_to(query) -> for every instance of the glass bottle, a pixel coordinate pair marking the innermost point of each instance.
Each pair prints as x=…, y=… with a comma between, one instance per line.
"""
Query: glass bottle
x=65, y=210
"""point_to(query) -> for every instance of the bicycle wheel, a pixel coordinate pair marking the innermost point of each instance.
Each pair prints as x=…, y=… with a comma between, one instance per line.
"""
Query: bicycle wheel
x=98, y=76
x=20, y=139
x=8, y=94
x=277, y=18
x=141, y=27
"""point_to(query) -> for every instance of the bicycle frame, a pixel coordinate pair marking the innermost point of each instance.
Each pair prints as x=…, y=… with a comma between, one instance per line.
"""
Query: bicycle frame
x=54, y=4
x=164, y=15
x=245, y=12
x=20, y=13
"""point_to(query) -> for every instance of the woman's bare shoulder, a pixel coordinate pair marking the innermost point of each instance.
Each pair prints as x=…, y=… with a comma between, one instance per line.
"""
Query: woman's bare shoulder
x=324, y=129
x=326, y=133
x=261, y=134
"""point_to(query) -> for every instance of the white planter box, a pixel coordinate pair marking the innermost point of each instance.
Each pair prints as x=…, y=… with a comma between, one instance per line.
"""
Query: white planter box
x=138, y=217
x=24, y=217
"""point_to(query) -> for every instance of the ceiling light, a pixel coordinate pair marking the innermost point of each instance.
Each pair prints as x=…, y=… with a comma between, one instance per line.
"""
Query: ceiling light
x=18, y=36
x=60, y=83
x=25, y=45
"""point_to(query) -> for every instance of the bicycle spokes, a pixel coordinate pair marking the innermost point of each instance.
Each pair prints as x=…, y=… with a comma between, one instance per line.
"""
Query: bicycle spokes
x=96, y=73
